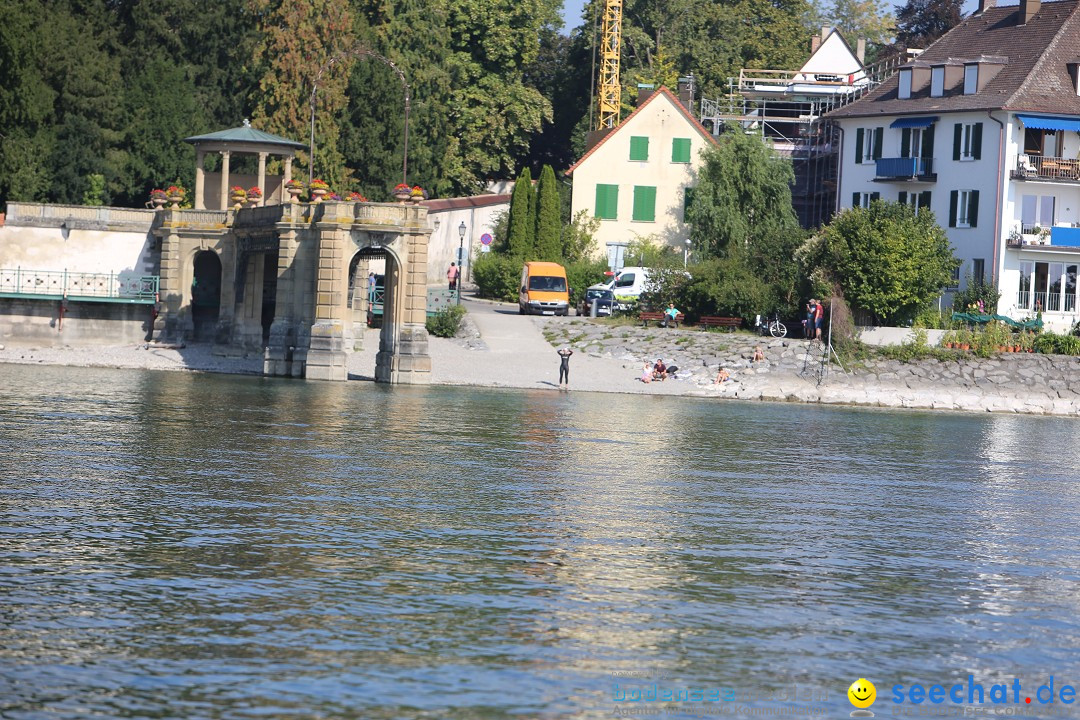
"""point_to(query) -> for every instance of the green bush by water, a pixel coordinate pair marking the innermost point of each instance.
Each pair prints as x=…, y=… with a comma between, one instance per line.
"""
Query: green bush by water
x=446, y=322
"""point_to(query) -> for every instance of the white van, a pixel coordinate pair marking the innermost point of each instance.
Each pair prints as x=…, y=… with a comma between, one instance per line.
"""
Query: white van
x=628, y=282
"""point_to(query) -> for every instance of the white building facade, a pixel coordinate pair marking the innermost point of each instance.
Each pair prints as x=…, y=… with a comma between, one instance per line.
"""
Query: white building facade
x=635, y=180
x=990, y=143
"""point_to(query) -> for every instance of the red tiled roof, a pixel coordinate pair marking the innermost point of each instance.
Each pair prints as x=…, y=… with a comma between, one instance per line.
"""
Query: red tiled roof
x=662, y=91
x=1035, y=75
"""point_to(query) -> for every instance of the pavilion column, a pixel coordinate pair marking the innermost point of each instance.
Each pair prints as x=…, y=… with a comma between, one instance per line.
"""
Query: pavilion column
x=262, y=177
x=224, y=180
x=286, y=177
x=200, y=181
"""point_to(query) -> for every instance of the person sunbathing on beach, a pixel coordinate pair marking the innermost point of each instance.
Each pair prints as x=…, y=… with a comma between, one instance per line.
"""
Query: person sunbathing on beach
x=659, y=370
x=646, y=372
x=722, y=377
x=759, y=356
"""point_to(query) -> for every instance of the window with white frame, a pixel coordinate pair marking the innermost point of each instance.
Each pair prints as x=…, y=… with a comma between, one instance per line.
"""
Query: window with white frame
x=863, y=200
x=904, y=91
x=967, y=139
x=971, y=78
x=937, y=81
x=868, y=144
x=918, y=201
x=963, y=208
x=1047, y=287
x=1036, y=211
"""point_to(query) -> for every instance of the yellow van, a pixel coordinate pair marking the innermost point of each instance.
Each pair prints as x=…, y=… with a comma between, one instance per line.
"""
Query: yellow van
x=544, y=289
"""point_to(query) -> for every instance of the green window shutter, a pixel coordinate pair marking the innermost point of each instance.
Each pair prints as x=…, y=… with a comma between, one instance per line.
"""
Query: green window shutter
x=928, y=142
x=952, y=207
x=905, y=142
x=639, y=149
x=855, y=199
x=607, y=201
x=976, y=141
x=973, y=208
x=878, y=134
x=924, y=199
x=680, y=150
x=644, y=203
x=957, y=140
x=858, y=145
x=903, y=198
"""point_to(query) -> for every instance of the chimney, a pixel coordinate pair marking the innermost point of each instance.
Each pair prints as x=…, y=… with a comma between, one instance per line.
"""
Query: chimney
x=815, y=43
x=644, y=90
x=1028, y=9
x=686, y=92
x=825, y=30
x=860, y=49
x=985, y=5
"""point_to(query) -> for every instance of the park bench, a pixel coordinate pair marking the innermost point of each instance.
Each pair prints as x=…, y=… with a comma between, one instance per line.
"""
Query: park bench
x=645, y=317
x=730, y=324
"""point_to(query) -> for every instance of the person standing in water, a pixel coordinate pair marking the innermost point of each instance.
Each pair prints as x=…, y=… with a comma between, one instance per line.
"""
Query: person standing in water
x=564, y=367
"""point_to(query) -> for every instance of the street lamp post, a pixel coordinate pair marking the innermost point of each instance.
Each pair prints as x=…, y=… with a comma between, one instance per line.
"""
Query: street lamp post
x=460, y=253
x=686, y=253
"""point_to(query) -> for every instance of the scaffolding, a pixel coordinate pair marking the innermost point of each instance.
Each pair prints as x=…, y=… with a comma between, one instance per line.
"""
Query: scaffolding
x=607, y=116
x=788, y=109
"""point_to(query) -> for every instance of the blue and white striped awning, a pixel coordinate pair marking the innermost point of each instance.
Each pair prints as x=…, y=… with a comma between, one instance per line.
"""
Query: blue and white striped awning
x=914, y=122
x=1048, y=122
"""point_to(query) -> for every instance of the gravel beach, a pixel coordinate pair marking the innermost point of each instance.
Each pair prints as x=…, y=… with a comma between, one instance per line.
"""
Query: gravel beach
x=499, y=348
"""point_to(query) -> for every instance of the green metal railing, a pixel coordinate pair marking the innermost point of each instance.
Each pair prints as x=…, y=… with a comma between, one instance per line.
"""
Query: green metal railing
x=94, y=287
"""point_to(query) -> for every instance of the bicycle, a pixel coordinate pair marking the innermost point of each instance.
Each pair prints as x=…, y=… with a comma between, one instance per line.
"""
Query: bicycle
x=771, y=326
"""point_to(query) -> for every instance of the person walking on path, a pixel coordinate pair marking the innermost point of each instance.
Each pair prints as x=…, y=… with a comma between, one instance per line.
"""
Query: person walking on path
x=564, y=367
x=819, y=317
x=452, y=276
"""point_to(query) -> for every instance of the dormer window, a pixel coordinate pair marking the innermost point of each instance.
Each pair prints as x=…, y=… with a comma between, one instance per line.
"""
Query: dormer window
x=905, y=84
x=971, y=79
x=937, y=81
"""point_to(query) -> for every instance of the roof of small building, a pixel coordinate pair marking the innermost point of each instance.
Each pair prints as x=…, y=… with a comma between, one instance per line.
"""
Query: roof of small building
x=662, y=91
x=247, y=135
x=458, y=203
x=1034, y=76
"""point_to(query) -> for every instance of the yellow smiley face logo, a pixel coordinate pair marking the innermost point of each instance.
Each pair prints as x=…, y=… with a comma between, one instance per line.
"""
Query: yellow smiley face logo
x=862, y=693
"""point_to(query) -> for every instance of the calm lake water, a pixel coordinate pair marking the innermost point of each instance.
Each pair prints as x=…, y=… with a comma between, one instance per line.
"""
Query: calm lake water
x=188, y=546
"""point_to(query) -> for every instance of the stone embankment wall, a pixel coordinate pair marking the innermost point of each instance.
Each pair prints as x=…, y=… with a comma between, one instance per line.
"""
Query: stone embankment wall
x=1021, y=382
x=38, y=323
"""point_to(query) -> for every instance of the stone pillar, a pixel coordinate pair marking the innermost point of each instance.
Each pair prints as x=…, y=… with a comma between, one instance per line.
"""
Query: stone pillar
x=285, y=178
x=228, y=256
x=403, y=346
x=262, y=178
x=167, y=325
x=200, y=181
x=326, y=354
x=224, y=180
x=283, y=355
x=247, y=326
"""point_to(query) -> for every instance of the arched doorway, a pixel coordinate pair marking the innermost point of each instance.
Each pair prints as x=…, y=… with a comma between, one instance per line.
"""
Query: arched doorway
x=205, y=295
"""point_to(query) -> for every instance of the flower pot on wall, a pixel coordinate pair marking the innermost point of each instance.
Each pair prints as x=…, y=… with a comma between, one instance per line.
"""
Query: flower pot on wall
x=317, y=194
x=294, y=193
x=402, y=197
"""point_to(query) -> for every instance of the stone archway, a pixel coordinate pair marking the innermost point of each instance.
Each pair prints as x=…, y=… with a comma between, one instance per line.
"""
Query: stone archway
x=205, y=295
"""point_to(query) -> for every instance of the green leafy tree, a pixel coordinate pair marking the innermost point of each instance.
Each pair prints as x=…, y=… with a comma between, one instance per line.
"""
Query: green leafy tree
x=296, y=40
x=579, y=237
x=921, y=22
x=742, y=196
x=522, y=218
x=548, y=226
x=886, y=259
x=868, y=19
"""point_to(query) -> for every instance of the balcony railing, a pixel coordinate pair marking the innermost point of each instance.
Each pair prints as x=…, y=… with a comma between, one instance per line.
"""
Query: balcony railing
x=100, y=287
x=1037, y=167
x=905, y=168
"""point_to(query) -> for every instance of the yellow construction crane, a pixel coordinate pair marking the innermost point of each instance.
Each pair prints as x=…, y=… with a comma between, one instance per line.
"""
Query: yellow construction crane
x=607, y=115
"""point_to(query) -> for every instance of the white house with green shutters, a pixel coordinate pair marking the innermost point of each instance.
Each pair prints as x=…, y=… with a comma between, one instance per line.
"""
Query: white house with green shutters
x=983, y=128
x=635, y=179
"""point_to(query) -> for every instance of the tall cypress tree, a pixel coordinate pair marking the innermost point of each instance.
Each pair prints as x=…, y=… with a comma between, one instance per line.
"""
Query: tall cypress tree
x=548, y=236
x=522, y=224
